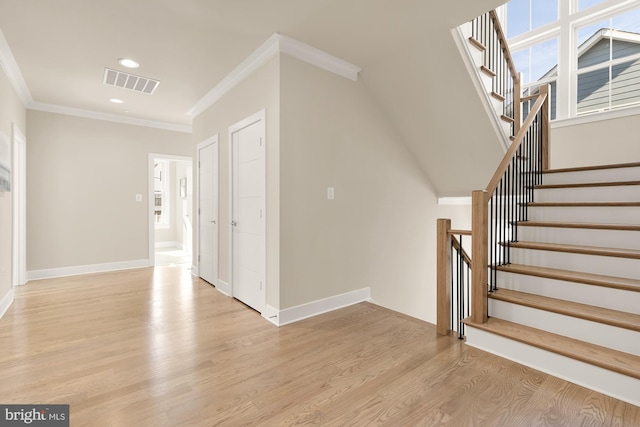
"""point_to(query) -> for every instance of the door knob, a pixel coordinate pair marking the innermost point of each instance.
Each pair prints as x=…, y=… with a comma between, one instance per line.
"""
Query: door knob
x=214, y=221
x=234, y=223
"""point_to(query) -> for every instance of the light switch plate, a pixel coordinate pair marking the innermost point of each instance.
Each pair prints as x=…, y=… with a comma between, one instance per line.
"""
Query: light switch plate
x=138, y=197
x=330, y=193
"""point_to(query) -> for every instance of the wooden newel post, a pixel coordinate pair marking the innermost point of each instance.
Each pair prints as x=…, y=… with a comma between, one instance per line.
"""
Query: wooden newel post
x=545, y=114
x=479, y=255
x=517, y=104
x=443, y=280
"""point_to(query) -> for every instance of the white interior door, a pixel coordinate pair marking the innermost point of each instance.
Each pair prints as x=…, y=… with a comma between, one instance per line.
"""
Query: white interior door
x=208, y=211
x=248, y=212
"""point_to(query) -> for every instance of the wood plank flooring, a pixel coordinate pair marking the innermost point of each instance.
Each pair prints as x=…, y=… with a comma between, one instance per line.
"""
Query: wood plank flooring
x=158, y=347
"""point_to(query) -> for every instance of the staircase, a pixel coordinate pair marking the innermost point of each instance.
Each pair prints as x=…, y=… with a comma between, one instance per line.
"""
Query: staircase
x=484, y=56
x=568, y=303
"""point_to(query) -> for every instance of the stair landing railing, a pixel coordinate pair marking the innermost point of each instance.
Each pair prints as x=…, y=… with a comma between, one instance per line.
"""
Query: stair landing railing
x=487, y=31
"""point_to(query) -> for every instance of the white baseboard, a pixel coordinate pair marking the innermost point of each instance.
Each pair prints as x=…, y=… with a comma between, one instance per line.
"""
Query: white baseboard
x=224, y=287
x=165, y=245
x=85, y=269
x=271, y=314
x=314, y=308
x=6, y=302
x=194, y=270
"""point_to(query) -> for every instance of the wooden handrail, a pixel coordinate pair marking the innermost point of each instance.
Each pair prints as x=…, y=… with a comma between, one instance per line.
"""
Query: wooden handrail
x=505, y=46
x=458, y=247
x=517, y=141
x=460, y=232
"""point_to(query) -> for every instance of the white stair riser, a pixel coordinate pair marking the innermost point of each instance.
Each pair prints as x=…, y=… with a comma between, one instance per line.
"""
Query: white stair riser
x=497, y=105
x=465, y=29
x=622, y=193
x=601, y=175
x=614, y=299
x=610, y=383
x=584, y=330
x=598, y=215
x=581, y=236
x=506, y=127
x=605, y=265
x=487, y=83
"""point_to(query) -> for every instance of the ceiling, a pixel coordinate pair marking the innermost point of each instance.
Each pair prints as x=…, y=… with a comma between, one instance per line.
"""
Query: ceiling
x=62, y=47
x=410, y=64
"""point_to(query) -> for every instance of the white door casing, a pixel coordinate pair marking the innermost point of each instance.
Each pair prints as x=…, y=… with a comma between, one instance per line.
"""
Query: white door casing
x=248, y=211
x=208, y=210
x=19, y=244
x=150, y=197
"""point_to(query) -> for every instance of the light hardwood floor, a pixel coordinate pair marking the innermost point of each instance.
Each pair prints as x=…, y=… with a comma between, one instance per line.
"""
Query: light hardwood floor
x=158, y=347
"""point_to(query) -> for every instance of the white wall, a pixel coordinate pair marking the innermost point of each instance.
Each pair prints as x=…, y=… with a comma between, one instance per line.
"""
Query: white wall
x=379, y=232
x=82, y=178
x=11, y=111
x=259, y=91
x=595, y=143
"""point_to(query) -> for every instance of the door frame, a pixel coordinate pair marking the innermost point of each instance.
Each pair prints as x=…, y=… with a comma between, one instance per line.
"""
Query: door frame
x=19, y=201
x=150, y=199
x=209, y=141
x=248, y=121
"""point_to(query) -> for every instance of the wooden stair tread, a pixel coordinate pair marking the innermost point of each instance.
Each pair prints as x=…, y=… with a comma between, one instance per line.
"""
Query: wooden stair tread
x=506, y=118
x=621, y=283
x=487, y=71
x=592, y=168
x=602, y=315
x=477, y=44
x=586, y=225
x=587, y=184
x=584, y=204
x=577, y=249
x=497, y=96
x=606, y=358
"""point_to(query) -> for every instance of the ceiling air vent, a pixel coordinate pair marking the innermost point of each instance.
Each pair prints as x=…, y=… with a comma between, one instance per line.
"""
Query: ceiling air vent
x=129, y=81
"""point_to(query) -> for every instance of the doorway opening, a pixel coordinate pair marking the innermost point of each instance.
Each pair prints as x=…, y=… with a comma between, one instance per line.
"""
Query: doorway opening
x=170, y=210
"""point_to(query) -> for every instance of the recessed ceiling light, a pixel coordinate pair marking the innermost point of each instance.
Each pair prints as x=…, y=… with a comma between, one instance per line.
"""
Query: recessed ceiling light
x=129, y=63
x=116, y=101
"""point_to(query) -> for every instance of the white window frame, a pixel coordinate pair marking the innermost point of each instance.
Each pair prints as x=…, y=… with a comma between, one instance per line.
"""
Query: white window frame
x=566, y=30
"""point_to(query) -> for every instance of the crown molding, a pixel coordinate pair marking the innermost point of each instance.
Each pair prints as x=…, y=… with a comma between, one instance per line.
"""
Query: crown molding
x=317, y=57
x=274, y=45
x=87, y=114
x=11, y=69
x=14, y=76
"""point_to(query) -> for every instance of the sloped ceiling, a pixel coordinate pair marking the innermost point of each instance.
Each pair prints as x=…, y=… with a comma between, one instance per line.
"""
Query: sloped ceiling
x=410, y=63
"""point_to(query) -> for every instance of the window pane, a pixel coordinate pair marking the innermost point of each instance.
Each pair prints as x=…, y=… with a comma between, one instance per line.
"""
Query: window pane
x=593, y=90
x=521, y=61
x=518, y=17
x=593, y=44
x=543, y=12
x=554, y=96
x=546, y=58
x=629, y=22
x=585, y=4
x=625, y=84
x=538, y=61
